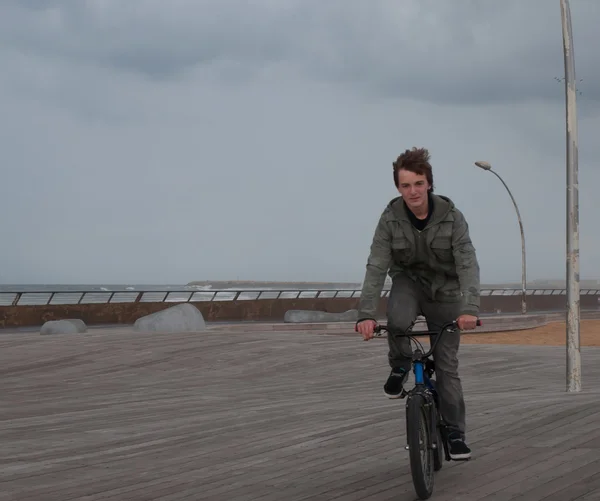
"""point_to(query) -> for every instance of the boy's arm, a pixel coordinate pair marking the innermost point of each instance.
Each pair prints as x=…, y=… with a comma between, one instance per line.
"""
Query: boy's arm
x=378, y=264
x=467, y=266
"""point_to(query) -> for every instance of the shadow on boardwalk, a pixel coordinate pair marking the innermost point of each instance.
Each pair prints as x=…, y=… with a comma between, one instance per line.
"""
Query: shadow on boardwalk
x=277, y=416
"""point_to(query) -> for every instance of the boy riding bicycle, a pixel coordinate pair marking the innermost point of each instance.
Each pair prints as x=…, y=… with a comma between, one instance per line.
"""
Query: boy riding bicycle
x=422, y=240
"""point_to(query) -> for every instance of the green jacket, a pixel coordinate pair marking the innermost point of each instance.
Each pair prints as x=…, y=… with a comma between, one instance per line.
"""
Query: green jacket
x=441, y=257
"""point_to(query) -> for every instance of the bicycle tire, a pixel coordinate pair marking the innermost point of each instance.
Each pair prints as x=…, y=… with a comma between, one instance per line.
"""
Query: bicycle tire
x=439, y=453
x=438, y=456
x=418, y=430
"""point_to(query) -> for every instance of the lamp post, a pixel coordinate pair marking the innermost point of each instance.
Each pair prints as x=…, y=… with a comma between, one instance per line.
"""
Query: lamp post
x=573, y=304
x=488, y=167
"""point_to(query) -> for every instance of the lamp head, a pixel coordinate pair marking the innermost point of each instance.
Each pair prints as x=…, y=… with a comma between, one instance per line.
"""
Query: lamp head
x=483, y=165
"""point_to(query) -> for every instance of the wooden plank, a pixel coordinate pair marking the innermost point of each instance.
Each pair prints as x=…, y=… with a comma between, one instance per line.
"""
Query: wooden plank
x=277, y=415
x=574, y=482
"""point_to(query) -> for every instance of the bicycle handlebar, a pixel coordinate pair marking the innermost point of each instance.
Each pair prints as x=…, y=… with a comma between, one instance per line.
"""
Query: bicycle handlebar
x=454, y=323
x=438, y=334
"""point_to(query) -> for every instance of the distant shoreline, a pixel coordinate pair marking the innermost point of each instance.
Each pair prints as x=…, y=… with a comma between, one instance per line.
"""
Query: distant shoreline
x=229, y=284
x=233, y=285
x=219, y=284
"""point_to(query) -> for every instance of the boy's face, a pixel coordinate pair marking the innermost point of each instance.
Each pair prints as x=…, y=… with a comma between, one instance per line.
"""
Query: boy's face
x=413, y=188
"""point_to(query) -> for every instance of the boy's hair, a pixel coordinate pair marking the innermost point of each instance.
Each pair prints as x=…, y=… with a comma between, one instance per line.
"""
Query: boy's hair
x=415, y=160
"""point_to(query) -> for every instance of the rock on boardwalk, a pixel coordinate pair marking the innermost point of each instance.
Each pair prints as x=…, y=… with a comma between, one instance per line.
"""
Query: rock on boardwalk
x=308, y=316
x=66, y=326
x=181, y=318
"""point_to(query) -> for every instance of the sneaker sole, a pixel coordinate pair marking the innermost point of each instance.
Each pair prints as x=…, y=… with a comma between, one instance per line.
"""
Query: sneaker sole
x=394, y=396
x=460, y=457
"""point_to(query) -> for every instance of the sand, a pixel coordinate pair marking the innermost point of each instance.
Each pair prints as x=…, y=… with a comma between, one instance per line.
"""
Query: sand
x=552, y=334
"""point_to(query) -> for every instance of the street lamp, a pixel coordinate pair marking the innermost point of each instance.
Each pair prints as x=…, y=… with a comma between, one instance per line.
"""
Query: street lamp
x=488, y=167
x=573, y=292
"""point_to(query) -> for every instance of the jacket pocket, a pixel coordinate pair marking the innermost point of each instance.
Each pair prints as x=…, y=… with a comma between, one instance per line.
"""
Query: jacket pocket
x=441, y=246
x=401, y=250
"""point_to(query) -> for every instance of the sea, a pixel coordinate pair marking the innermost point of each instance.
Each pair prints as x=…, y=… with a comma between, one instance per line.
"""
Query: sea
x=215, y=285
x=91, y=287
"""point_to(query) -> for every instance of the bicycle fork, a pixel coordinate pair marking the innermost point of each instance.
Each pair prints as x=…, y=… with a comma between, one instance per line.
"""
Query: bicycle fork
x=424, y=388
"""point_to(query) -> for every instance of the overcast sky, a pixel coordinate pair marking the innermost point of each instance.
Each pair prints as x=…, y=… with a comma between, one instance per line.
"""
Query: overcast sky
x=152, y=141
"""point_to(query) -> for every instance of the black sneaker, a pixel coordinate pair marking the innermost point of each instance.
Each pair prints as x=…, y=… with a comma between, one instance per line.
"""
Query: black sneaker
x=459, y=450
x=394, y=386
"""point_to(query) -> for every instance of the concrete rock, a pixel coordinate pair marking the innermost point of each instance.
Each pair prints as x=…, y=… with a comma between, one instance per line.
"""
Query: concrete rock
x=310, y=316
x=66, y=326
x=184, y=317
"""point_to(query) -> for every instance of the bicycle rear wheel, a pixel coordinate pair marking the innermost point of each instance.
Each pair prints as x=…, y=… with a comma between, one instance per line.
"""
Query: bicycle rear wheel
x=418, y=431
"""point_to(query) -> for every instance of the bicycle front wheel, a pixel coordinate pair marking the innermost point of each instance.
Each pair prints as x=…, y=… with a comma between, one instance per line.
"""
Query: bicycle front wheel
x=438, y=456
x=418, y=430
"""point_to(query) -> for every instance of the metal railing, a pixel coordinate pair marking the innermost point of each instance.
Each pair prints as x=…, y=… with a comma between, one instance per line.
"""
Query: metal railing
x=177, y=296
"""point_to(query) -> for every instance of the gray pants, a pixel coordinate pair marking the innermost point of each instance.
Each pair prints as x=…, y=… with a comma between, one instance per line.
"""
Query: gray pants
x=407, y=300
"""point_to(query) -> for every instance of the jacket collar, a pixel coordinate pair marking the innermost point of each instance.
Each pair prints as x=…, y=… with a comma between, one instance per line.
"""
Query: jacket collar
x=441, y=207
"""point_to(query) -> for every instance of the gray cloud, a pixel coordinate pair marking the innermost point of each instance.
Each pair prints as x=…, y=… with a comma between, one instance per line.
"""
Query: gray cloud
x=157, y=40
x=467, y=52
x=210, y=140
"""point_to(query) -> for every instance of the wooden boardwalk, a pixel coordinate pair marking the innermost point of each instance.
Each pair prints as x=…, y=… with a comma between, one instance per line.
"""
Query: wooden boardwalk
x=113, y=415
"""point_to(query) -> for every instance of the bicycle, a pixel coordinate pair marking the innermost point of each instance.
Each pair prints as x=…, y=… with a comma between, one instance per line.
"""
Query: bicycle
x=423, y=416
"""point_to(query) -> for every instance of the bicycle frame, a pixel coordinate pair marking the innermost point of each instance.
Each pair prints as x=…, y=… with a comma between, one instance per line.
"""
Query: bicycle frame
x=423, y=383
x=418, y=357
